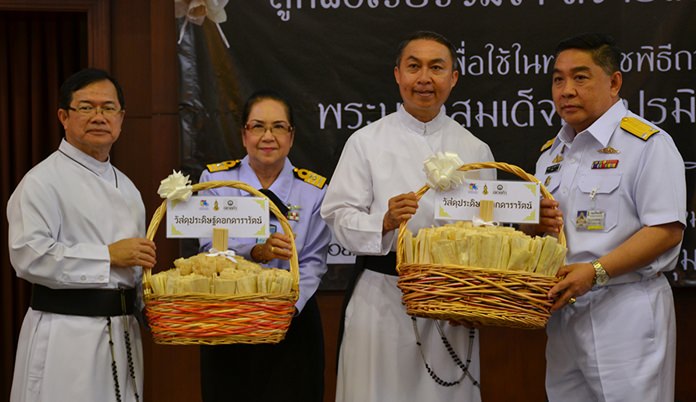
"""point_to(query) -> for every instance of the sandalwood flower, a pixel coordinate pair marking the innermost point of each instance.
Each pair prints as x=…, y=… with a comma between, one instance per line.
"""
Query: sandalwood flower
x=175, y=187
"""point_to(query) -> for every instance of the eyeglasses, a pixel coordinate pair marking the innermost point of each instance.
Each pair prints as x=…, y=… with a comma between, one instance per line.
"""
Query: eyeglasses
x=278, y=128
x=89, y=110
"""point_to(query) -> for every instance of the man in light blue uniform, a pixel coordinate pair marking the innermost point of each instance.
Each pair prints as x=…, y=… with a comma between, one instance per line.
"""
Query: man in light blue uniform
x=619, y=182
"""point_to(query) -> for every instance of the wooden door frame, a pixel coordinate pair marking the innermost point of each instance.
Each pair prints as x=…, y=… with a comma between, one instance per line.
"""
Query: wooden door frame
x=98, y=23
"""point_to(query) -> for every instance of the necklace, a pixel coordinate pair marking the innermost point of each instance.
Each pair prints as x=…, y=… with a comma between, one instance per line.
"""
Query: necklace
x=129, y=353
x=83, y=165
x=452, y=353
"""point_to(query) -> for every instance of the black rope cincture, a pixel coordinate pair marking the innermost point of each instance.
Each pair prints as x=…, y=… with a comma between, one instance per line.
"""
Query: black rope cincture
x=114, y=369
x=453, y=355
x=131, y=365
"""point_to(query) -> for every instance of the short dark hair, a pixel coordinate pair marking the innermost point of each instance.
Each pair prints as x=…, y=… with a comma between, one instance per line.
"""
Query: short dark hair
x=264, y=94
x=427, y=35
x=601, y=47
x=82, y=79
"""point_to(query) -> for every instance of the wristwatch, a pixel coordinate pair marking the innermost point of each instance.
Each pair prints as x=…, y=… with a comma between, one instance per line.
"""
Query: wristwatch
x=600, y=277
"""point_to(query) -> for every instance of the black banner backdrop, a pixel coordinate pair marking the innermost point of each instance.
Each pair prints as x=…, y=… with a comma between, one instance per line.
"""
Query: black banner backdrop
x=334, y=60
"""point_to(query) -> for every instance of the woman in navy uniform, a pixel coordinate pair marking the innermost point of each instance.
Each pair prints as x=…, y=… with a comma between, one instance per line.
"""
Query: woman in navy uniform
x=292, y=370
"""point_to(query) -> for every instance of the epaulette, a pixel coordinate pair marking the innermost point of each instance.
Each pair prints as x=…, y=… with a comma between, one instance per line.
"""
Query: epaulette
x=547, y=144
x=221, y=166
x=310, y=177
x=638, y=128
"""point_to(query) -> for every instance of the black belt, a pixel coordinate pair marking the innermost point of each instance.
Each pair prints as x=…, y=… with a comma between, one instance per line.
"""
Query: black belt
x=384, y=264
x=84, y=302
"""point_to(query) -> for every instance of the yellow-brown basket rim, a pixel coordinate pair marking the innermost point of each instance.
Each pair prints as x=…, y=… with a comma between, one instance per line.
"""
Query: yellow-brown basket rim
x=161, y=211
x=516, y=170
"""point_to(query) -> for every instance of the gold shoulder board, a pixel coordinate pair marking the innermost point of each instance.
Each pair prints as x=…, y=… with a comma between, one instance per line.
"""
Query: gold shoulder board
x=310, y=177
x=220, y=166
x=547, y=144
x=638, y=128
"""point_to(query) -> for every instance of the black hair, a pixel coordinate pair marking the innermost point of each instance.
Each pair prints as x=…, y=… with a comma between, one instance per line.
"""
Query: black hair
x=601, y=47
x=264, y=94
x=428, y=35
x=82, y=79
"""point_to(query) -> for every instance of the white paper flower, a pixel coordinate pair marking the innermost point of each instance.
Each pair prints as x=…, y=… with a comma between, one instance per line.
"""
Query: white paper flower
x=441, y=171
x=175, y=187
x=216, y=11
x=195, y=12
x=229, y=254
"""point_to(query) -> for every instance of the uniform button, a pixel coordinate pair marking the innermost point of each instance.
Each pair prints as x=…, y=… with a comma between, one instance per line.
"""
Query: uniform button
x=101, y=277
x=83, y=278
x=564, y=191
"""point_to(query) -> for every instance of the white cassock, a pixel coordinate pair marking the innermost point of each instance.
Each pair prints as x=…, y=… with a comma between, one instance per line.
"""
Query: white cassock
x=62, y=217
x=379, y=360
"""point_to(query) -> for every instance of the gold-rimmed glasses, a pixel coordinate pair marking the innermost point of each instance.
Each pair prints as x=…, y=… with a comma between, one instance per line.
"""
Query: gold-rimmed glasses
x=277, y=128
x=89, y=110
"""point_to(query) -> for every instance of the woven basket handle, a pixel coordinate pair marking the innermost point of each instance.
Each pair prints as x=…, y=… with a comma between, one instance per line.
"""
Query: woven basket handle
x=160, y=212
x=516, y=170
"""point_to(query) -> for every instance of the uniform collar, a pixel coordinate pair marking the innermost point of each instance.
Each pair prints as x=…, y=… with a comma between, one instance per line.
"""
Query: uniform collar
x=602, y=129
x=99, y=168
x=417, y=126
x=282, y=184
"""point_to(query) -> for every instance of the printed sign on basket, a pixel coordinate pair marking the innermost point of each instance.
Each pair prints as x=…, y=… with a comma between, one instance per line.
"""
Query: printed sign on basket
x=513, y=201
x=197, y=217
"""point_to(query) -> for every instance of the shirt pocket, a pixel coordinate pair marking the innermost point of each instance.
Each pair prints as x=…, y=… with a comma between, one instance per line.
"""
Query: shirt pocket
x=606, y=198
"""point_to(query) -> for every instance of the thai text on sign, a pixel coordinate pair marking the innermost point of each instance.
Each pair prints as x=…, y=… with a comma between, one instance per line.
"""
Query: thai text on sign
x=197, y=217
x=513, y=201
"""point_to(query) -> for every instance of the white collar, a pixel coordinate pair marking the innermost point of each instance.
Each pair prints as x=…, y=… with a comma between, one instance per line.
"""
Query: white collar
x=418, y=126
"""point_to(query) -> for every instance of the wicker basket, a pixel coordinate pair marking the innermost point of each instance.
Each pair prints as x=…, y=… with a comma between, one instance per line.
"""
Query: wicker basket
x=485, y=296
x=207, y=319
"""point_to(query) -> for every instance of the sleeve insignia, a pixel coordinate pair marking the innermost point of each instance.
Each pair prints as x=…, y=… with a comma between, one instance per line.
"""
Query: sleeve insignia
x=638, y=128
x=310, y=177
x=221, y=166
x=547, y=144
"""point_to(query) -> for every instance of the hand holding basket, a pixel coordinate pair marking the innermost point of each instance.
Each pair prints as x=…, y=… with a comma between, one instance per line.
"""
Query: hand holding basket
x=486, y=296
x=211, y=319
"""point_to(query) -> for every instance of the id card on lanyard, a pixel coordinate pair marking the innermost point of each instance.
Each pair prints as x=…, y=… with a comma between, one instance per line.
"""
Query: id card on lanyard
x=591, y=219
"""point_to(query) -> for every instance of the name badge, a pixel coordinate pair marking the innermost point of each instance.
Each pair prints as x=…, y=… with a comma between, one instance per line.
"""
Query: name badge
x=590, y=220
x=553, y=168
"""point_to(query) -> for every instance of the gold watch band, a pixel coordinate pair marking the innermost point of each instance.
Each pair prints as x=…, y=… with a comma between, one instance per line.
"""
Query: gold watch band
x=597, y=265
x=601, y=276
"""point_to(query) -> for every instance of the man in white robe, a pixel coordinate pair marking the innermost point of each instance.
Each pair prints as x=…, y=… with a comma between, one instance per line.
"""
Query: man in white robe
x=370, y=194
x=75, y=232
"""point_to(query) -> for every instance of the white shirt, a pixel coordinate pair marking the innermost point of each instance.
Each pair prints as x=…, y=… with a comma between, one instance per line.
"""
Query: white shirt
x=383, y=160
x=645, y=188
x=62, y=217
x=64, y=214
